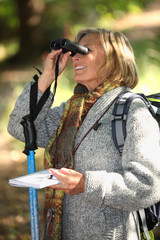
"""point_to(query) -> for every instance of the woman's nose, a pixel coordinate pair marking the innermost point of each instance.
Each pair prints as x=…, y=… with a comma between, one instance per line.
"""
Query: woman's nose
x=76, y=57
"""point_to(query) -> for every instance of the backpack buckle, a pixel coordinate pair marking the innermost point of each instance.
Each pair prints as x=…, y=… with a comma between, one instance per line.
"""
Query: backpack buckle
x=121, y=117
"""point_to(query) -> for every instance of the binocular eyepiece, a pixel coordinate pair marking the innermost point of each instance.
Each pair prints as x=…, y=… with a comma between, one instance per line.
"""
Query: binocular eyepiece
x=67, y=46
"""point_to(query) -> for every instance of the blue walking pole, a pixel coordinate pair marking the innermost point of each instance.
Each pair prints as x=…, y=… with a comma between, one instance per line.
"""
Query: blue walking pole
x=29, y=133
x=34, y=216
x=30, y=145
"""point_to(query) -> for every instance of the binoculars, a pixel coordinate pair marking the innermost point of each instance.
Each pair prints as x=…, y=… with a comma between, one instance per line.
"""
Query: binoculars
x=68, y=46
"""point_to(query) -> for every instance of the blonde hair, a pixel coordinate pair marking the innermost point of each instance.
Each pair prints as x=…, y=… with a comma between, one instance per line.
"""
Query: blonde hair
x=119, y=64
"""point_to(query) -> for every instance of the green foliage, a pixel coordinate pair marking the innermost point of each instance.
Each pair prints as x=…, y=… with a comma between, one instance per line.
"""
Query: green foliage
x=8, y=16
x=148, y=62
x=59, y=17
x=7, y=50
x=66, y=17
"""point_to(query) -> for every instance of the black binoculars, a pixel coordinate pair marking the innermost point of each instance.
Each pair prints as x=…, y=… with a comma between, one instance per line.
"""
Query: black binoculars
x=67, y=46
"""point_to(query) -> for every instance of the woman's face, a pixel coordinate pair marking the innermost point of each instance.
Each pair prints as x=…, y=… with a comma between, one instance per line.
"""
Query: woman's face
x=86, y=66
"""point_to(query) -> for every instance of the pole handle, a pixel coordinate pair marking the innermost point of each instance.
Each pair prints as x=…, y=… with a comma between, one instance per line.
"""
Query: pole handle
x=29, y=133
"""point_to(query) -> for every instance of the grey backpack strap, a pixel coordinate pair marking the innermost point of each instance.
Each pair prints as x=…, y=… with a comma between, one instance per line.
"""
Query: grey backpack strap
x=119, y=117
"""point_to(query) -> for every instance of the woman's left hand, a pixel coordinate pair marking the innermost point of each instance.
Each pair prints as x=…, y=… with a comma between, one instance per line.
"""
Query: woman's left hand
x=72, y=182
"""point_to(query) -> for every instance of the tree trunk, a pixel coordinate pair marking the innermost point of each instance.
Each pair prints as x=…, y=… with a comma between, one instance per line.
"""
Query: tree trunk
x=30, y=34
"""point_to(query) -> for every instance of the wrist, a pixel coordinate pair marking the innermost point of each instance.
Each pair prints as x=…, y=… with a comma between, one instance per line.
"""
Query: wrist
x=44, y=82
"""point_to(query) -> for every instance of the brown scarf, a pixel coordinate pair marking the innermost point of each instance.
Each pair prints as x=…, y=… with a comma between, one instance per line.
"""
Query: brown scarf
x=60, y=150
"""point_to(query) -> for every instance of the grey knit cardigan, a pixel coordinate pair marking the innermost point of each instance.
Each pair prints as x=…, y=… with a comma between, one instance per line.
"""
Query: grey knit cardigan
x=116, y=187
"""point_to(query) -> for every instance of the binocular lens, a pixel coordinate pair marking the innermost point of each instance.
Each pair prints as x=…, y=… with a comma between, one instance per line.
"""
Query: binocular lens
x=68, y=45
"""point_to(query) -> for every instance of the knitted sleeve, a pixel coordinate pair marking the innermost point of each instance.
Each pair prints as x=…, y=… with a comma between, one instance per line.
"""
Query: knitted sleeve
x=46, y=122
x=137, y=184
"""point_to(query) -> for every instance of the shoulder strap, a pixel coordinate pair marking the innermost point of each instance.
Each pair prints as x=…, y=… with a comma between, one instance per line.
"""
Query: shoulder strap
x=119, y=118
x=35, y=107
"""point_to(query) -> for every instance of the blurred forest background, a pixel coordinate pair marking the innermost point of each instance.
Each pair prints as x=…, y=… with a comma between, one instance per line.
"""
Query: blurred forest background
x=27, y=29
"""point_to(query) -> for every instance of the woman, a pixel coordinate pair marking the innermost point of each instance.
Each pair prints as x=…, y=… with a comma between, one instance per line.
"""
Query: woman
x=100, y=191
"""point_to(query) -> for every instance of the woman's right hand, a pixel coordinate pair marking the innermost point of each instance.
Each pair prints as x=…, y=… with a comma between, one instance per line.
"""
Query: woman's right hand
x=48, y=75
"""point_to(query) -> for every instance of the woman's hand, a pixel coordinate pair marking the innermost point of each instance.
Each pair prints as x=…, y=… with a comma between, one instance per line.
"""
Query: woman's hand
x=72, y=182
x=48, y=75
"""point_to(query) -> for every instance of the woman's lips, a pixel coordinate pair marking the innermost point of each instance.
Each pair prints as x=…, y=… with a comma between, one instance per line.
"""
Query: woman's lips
x=79, y=68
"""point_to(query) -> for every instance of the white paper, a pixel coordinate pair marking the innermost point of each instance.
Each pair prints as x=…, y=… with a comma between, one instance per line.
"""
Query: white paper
x=36, y=180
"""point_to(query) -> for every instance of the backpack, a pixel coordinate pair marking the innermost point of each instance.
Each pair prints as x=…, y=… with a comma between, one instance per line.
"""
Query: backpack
x=148, y=217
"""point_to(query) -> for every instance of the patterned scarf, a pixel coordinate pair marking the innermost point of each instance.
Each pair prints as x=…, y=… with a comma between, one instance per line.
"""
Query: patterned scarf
x=60, y=150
